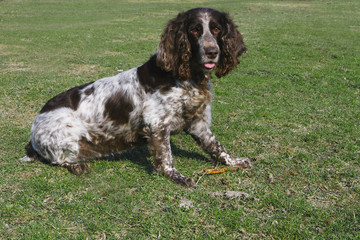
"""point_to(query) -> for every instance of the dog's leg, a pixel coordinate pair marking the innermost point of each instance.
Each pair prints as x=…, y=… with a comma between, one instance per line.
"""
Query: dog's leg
x=159, y=147
x=72, y=162
x=202, y=134
x=67, y=158
x=78, y=168
x=31, y=154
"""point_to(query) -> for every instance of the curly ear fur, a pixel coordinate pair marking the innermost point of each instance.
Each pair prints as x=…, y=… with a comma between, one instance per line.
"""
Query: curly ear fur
x=231, y=47
x=174, y=51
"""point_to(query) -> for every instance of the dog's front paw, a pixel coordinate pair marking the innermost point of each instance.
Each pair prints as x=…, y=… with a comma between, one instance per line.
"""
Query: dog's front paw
x=176, y=176
x=241, y=163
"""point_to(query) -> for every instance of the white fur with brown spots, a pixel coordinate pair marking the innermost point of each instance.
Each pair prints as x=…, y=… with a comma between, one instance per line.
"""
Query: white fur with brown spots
x=168, y=94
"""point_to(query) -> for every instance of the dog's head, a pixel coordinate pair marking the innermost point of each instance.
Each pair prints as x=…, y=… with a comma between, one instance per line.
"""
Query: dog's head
x=200, y=39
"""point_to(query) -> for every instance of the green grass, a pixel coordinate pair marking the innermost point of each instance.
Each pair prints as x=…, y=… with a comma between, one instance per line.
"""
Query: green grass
x=292, y=106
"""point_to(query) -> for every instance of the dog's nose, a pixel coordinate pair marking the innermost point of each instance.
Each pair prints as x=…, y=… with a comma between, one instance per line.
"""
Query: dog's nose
x=211, y=52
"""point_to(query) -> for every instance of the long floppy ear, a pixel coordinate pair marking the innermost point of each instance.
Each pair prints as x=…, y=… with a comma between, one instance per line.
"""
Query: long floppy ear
x=174, y=51
x=231, y=47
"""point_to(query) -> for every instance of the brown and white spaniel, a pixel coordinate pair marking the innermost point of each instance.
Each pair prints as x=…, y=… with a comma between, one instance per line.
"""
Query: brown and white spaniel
x=168, y=94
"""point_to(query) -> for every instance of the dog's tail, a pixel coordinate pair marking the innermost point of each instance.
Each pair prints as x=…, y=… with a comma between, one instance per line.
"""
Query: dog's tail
x=31, y=154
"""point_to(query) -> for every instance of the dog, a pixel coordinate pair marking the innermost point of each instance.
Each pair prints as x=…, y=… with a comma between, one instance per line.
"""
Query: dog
x=145, y=105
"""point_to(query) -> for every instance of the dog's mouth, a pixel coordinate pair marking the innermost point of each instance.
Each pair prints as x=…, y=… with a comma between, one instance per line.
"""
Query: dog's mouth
x=209, y=65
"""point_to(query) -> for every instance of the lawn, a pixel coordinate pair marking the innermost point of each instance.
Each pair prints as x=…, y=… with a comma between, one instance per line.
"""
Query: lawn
x=292, y=106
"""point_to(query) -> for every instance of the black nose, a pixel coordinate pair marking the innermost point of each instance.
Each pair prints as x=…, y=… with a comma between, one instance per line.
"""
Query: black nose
x=211, y=52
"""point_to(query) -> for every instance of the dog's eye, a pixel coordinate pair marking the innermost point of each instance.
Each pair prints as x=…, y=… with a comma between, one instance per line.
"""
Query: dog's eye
x=216, y=30
x=195, y=31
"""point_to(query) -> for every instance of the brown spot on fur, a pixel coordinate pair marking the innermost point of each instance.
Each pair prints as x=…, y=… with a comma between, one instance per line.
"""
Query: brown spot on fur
x=89, y=91
x=118, y=108
x=69, y=99
x=152, y=77
x=78, y=169
x=99, y=147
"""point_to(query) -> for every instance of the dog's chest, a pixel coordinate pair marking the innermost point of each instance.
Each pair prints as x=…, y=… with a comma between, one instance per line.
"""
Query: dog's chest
x=176, y=107
x=195, y=101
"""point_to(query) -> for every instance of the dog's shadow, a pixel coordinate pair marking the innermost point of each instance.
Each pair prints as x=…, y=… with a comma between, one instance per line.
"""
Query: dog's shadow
x=140, y=156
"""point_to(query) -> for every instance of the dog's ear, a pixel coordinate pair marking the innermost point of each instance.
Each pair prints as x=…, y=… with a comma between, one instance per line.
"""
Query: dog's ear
x=174, y=51
x=231, y=46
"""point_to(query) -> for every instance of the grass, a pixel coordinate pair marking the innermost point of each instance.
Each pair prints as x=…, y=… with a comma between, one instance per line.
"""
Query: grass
x=292, y=106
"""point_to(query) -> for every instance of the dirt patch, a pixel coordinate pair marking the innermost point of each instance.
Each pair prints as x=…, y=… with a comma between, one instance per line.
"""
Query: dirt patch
x=17, y=67
x=13, y=50
x=83, y=69
x=287, y=5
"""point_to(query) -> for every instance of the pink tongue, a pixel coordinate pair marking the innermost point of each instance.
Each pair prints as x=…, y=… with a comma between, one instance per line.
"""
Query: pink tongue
x=209, y=65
